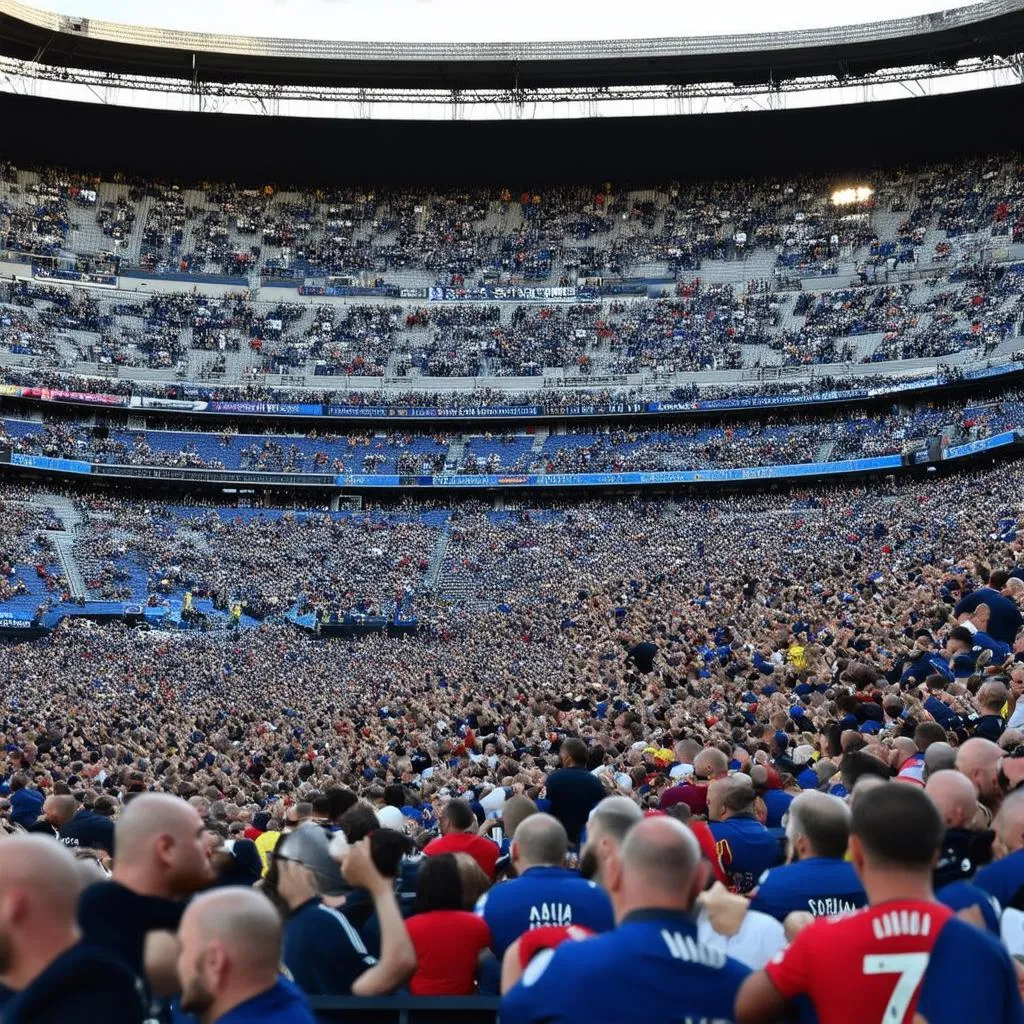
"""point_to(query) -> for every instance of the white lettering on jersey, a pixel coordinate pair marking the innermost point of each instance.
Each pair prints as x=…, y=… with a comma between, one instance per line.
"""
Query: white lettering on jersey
x=829, y=907
x=898, y=923
x=909, y=969
x=545, y=914
x=684, y=947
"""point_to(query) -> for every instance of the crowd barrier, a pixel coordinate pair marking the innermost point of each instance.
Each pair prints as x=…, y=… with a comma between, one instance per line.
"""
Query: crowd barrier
x=193, y=401
x=476, y=481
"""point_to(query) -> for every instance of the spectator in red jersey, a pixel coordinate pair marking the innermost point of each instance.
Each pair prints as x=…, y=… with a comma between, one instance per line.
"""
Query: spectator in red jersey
x=708, y=765
x=448, y=940
x=870, y=965
x=458, y=835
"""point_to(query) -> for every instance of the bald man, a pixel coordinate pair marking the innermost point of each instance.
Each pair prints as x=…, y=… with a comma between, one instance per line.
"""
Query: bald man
x=964, y=848
x=938, y=757
x=651, y=961
x=56, y=813
x=978, y=759
x=56, y=977
x=1004, y=878
x=818, y=880
x=746, y=849
x=708, y=765
x=230, y=949
x=545, y=892
x=161, y=859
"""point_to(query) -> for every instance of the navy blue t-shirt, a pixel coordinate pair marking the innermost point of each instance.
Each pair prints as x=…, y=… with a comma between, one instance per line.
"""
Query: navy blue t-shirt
x=90, y=830
x=1004, y=879
x=573, y=793
x=746, y=850
x=322, y=950
x=282, y=1004
x=969, y=977
x=776, y=802
x=114, y=918
x=85, y=983
x=820, y=886
x=650, y=968
x=1005, y=620
x=540, y=897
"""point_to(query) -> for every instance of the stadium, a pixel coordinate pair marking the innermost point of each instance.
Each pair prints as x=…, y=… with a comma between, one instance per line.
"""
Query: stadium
x=462, y=496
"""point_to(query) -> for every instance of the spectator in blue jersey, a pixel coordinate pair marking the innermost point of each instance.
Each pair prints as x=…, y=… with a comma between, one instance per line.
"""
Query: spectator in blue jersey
x=26, y=802
x=228, y=962
x=1004, y=617
x=818, y=880
x=746, y=849
x=923, y=661
x=964, y=847
x=546, y=892
x=58, y=810
x=1004, y=878
x=55, y=977
x=970, y=638
x=939, y=703
x=572, y=791
x=322, y=949
x=653, y=884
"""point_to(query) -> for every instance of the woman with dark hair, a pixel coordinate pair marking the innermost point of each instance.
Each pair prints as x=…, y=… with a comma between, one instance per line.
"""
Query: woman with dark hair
x=448, y=940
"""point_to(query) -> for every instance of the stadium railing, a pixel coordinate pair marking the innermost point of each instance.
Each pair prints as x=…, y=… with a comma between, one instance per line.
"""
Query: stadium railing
x=407, y=1009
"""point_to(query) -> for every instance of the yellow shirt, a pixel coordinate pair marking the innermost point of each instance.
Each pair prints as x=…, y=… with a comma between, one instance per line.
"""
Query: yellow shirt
x=265, y=843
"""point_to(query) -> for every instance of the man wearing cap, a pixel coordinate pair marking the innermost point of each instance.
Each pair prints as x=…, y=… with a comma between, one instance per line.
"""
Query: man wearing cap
x=322, y=950
x=817, y=880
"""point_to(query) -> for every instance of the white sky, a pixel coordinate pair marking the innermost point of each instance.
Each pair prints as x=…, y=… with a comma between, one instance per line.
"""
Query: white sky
x=488, y=21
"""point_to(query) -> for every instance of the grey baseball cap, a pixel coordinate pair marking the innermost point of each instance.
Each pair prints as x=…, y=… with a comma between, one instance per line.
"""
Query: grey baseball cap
x=309, y=845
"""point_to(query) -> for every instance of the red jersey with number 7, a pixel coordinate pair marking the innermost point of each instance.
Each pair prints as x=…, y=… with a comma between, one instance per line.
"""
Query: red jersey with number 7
x=865, y=967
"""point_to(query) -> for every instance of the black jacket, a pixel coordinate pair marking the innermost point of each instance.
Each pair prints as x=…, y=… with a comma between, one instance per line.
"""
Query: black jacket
x=85, y=983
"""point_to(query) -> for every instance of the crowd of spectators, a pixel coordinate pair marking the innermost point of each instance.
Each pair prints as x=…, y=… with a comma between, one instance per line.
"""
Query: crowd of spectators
x=539, y=235
x=774, y=440
x=704, y=327
x=433, y=792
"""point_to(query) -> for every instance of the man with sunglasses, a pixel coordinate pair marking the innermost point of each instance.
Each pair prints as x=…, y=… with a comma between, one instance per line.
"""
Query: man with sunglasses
x=322, y=949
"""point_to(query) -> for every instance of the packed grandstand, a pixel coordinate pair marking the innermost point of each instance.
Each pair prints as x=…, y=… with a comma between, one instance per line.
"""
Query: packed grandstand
x=527, y=602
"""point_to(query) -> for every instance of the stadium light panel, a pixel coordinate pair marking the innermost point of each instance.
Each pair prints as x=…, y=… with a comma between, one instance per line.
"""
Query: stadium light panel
x=856, y=194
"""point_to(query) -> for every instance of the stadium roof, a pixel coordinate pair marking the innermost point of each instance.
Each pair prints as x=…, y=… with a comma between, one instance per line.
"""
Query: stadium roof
x=995, y=27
